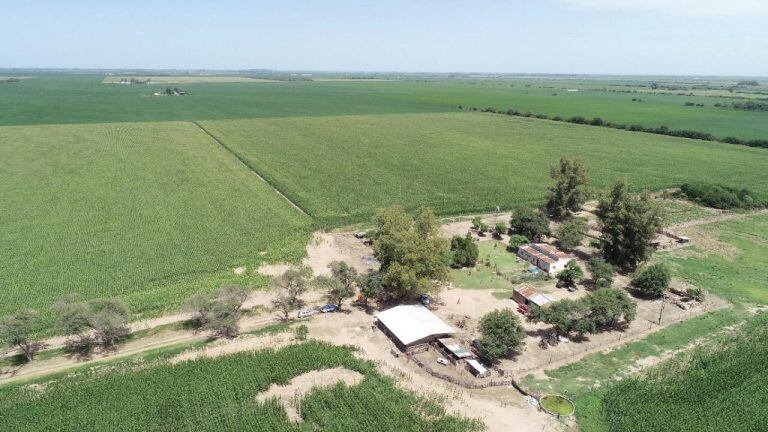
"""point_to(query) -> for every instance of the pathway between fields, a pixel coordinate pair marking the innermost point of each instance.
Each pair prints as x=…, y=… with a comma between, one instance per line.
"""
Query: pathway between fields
x=250, y=168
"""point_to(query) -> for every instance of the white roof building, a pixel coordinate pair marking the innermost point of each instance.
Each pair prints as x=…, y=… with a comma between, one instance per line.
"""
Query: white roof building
x=410, y=325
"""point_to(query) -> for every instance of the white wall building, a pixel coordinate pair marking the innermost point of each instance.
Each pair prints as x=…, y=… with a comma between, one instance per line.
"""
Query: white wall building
x=546, y=257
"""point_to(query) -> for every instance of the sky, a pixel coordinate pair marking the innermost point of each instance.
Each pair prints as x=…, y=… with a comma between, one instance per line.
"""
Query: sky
x=631, y=37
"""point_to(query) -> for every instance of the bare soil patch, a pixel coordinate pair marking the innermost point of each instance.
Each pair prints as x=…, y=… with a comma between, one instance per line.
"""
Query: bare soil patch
x=291, y=394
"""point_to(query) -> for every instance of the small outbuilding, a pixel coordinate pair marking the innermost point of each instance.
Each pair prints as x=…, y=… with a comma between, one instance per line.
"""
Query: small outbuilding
x=527, y=295
x=412, y=325
x=546, y=257
x=453, y=349
x=477, y=369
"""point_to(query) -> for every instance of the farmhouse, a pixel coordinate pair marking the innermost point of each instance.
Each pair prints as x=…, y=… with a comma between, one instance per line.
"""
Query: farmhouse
x=545, y=257
x=527, y=295
x=412, y=325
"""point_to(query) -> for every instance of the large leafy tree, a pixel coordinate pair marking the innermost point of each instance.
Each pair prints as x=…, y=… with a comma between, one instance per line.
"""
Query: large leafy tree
x=602, y=272
x=608, y=306
x=17, y=331
x=565, y=316
x=571, y=274
x=569, y=192
x=570, y=233
x=629, y=225
x=414, y=256
x=464, y=251
x=501, y=334
x=530, y=223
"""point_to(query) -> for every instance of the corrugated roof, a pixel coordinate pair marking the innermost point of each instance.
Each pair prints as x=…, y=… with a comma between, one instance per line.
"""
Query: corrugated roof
x=410, y=323
x=454, y=347
x=477, y=366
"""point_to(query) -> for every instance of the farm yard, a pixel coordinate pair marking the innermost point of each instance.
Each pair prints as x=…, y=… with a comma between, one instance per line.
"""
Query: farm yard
x=110, y=194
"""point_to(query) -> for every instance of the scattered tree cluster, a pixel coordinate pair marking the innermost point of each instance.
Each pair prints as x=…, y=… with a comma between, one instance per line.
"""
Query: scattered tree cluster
x=529, y=223
x=288, y=287
x=598, y=310
x=341, y=284
x=95, y=322
x=17, y=331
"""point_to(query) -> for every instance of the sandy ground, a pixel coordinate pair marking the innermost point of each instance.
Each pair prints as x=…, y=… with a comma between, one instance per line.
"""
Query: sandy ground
x=290, y=395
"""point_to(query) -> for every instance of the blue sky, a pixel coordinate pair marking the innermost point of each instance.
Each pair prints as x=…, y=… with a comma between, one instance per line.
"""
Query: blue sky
x=681, y=37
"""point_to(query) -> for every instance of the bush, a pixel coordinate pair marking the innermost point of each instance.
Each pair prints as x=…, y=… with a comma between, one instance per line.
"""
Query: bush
x=602, y=272
x=500, y=229
x=517, y=240
x=653, y=280
x=532, y=224
x=696, y=294
x=301, y=332
x=719, y=196
x=479, y=225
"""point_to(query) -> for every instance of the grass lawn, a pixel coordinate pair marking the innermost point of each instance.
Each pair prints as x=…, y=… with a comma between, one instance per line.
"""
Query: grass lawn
x=148, y=212
x=220, y=393
x=342, y=168
x=493, y=258
x=682, y=211
x=739, y=275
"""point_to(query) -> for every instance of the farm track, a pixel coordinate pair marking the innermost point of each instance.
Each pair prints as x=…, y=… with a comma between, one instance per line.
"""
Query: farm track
x=251, y=168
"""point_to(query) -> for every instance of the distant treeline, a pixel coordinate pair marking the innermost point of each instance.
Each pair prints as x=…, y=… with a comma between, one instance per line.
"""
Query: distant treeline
x=9, y=80
x=748, y=106
x=748, y=83
x=597, y=121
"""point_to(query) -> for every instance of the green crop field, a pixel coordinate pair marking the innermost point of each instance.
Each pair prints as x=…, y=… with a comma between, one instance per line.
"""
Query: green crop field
x=715, y=388
x=59, y=98
x=147, y=212
x=340, y=169
x=220, y=394
x=184, y=79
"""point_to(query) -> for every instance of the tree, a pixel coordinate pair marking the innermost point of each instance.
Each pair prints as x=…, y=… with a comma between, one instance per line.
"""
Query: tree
x=602, y=272
x=106, y=318
x=370, y=285
x=517, y=240
x=529, y=223
x=501, y=334
x=565, y=316
x=570, y=233
x=568, y=193
x=284, y=303
x=413, y=254
x=500, y=229
x=571, y=274
x=653, y=280
x=607, y=306
x=294, y=282
x=16, y=331
x=629, y=225
x=479, y=225
x=218, y=312
x=464, y=251
x=341, y=284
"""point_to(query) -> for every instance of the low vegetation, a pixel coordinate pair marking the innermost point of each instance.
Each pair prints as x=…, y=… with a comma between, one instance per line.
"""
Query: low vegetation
x=721, y=197
x=652, y=281
x=599, y=310
x=209, y=393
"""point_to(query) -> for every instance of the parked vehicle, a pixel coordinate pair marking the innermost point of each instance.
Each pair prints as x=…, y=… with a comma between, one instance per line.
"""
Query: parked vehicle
x=304, y=313
x=328, y=308
x=442, y=361
x=425, y=299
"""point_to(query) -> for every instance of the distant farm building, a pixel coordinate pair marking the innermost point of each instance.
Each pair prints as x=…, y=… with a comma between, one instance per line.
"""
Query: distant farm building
x=545, y=257
x=527, y=295
x=412, y=325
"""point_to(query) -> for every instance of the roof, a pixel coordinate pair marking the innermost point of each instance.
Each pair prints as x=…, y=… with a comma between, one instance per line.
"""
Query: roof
x=411, y=323
x=474, y=364
x=532, y=295
x=454, y=347
x=545, y=252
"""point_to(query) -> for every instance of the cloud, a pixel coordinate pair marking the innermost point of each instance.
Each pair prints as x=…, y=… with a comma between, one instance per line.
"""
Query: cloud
x=686, y=8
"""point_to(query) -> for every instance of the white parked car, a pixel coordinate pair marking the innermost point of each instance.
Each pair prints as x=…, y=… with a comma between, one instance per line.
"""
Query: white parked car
x=442, y=361
x=306, y=313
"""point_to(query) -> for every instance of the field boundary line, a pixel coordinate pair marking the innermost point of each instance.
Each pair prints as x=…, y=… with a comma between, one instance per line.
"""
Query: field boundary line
x=252, y=169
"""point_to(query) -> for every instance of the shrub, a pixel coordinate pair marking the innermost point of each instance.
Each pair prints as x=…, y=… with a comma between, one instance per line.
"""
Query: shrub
x=517, y=240
x=653, y=280
x=464, y=251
